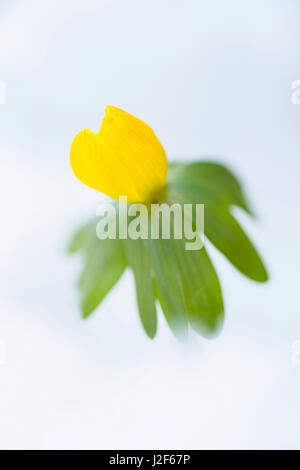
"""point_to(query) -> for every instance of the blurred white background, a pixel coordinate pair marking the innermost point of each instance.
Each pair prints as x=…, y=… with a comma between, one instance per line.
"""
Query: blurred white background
x=212, y=78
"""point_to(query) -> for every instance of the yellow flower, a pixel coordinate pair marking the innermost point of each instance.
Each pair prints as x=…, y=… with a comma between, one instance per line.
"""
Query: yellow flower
x=125, y=158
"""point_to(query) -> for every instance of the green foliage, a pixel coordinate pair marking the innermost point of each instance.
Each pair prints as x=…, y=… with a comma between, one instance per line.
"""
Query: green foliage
x=219, y=190
x=169, y=288
x=138, y=258
x=104, y=263
x=184, y=282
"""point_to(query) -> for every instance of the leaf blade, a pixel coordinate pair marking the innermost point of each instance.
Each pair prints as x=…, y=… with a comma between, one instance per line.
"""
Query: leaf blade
x=202, y=290
x=211, y=181
x=104, y=264
x=139, y=259
x=223, y=230
x=226, y=234
x=168, y=286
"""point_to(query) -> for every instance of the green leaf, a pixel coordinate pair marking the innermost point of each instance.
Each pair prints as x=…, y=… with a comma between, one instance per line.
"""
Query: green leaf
x=222, y=229
x=104, y=265
x=201, y=287
x=168, y=285
x=210, y=182
x=76, y=242
x=139, y=259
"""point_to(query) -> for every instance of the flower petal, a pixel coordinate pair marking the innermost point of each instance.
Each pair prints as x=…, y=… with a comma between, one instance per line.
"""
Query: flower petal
x=125, y=158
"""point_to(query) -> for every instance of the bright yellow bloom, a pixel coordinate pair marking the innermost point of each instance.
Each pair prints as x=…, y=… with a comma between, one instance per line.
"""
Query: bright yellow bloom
x=125, y=158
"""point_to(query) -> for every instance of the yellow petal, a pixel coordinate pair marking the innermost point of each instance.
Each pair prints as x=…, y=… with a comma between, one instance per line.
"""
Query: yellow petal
x=125, y=158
